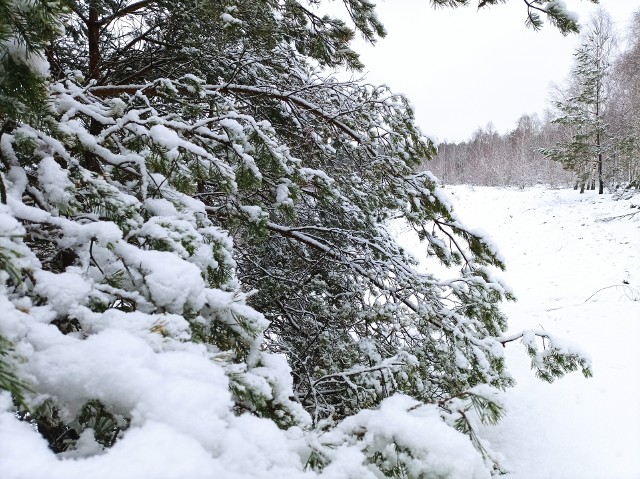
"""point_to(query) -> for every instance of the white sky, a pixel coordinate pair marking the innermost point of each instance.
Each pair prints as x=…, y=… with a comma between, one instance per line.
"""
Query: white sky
x=462, y=68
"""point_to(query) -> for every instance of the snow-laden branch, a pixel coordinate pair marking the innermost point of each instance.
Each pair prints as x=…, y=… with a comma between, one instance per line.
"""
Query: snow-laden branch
x=335, y=254
x=555, y=358
x=153, y=89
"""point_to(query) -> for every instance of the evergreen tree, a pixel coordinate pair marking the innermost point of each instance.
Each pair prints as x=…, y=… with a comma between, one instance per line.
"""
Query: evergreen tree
x=198, y=212
x=583, y=110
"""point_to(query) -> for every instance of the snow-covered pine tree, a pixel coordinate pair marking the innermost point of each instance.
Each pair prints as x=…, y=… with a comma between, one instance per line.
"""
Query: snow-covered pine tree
x=583, y=110
x=24, y=31
x=197, y=214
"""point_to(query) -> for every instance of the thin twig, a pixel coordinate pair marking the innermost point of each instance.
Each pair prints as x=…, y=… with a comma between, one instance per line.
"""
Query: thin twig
x=92, y=258
x=625, y=286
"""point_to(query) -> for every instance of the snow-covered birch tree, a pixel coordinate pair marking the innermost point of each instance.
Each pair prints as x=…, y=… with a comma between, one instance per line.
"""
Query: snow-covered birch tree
x=197, y=277
x=623, y=106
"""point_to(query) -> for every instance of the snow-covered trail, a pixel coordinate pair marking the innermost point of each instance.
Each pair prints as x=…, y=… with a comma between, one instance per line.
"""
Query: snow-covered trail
x=560, y=249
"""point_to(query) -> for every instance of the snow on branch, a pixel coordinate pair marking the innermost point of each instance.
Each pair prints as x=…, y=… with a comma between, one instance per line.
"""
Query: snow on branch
x=152, y=89
x=551, y=357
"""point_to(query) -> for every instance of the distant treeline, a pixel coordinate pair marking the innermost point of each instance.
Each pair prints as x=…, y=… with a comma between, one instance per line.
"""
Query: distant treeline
x=512, y=159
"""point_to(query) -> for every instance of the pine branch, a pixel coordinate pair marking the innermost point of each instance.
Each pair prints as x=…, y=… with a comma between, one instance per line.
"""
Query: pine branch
x=134, y=7
x=152, y=89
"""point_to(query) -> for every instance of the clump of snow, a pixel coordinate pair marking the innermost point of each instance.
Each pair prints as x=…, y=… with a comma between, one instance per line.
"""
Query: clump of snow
x=163, y=271
x=403, y=432
x=160, y=207
x=254, y=213
x=161, y=325
x=282, y=195
x=33, y=60
x=63, y=291
x=54, y=181
x=229, y=19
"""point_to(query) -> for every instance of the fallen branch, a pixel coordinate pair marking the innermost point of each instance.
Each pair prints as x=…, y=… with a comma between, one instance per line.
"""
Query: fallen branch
x=632, y=293
x=611, y=218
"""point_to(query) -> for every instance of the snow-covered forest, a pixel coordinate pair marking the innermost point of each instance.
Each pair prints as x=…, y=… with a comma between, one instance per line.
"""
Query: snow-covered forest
x=218, y=258
x=591, y=125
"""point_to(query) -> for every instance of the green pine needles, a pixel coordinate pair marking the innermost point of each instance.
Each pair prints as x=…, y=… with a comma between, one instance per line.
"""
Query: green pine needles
x=201, y=214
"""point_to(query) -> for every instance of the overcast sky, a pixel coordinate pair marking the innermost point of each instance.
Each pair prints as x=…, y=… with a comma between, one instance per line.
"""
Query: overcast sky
x=462, y=68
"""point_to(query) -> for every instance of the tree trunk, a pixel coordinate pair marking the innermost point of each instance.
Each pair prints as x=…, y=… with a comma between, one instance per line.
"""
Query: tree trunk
x=93, y=28
x=600, y=181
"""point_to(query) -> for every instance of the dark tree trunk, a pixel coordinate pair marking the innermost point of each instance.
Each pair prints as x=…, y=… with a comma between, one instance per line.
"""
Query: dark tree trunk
x=93, y=28
x=600, y=181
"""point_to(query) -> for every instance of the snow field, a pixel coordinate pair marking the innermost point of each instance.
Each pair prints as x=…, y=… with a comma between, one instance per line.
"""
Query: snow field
x=560, y=248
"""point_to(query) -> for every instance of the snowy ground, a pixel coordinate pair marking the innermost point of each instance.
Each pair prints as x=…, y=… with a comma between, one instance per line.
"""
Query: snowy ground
x=561, y=248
